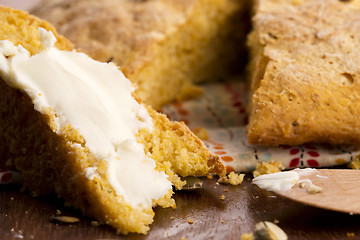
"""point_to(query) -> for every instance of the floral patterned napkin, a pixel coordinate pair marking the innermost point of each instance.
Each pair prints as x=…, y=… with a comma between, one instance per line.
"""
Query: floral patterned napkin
x=221, y=110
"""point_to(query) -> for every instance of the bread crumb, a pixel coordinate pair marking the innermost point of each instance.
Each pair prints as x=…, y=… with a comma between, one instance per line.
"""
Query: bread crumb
x=172, y=218
x=302, y=185
x=247, y=236
x=183, y=238
x=226, y=190
x=222, y=197
x=354, y=164
x=201, y=133
x=232, y=178
x=190, y=221
x=12, y=199
x=58, y=212
x=313, y=189
x=267, y=167
x=209, y=176
x=276, y=221
x=222, y=221
x=350, y=234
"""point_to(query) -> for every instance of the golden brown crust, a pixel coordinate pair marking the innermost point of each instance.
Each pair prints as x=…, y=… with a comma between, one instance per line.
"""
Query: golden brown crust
x=163, y=46
x=305, y=79
x=122, y=30
x=118, y=29
x=12, y=29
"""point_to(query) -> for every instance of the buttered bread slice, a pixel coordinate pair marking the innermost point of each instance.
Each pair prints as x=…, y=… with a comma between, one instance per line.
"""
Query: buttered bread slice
x=305, y=72
x=163, y=46
x=74, y=127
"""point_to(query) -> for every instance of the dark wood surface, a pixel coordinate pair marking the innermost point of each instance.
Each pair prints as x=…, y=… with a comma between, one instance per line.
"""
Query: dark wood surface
x=25, y=217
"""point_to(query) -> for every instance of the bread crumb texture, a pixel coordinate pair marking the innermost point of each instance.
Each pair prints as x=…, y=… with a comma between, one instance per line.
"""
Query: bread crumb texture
x=232, y=178
x=267, y=167
x=354, y=164
x=11, y=28
x=201, y=133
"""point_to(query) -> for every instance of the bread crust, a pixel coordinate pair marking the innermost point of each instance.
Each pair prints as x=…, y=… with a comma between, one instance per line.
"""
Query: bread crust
x=304, y=72
x=12, y=29
x=162, y=46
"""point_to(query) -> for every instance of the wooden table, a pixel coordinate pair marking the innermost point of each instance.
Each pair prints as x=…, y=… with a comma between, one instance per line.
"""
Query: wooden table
x=243, y=206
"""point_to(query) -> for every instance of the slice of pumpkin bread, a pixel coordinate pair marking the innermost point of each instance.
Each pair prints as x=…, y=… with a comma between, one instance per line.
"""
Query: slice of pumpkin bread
x=74, y=127
x=305, y=72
